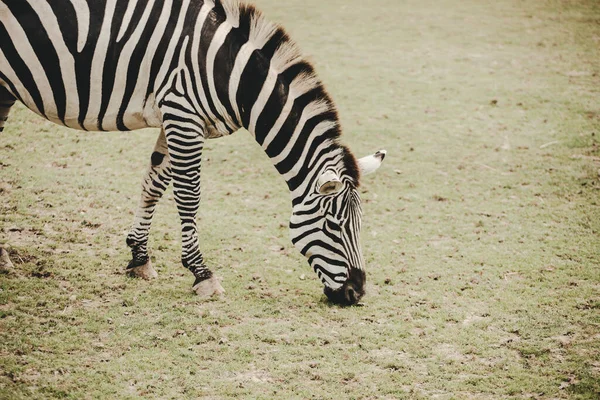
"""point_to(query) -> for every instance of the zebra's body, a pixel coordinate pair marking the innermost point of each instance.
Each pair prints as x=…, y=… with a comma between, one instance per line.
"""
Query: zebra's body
x=196, y=69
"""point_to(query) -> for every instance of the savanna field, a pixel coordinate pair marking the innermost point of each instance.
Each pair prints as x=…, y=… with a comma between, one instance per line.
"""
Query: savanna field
x=481, y=231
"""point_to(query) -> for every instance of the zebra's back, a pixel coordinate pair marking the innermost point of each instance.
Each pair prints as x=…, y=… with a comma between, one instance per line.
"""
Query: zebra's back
x=90, y=65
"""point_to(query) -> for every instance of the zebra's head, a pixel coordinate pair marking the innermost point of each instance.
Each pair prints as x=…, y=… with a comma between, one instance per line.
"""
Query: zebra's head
x=325, y=227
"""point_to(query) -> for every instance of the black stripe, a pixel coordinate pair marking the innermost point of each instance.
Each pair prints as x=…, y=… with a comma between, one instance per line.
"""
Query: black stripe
x=83, y=60
x=172, y=118
x=323, y=158
x=137, y=56
x=44, y=50
x=305, y=222
x=324, y=245
x=288, y=163
x=305, y=234
x=21, y=70
x=64, y=11
x=280, y=141
x=113, y=53
x=159, y=55
x=12, y=88
x=224, y=62
x=190, y=29
x=251, y=83
x=214, y=19
x=271, y=111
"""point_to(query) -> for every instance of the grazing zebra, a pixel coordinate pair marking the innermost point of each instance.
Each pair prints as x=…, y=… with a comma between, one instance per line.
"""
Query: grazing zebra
x=196, y=69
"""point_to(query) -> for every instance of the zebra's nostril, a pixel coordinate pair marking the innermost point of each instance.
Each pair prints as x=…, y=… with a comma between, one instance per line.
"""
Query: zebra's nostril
x=157, y=158
x=351, y=295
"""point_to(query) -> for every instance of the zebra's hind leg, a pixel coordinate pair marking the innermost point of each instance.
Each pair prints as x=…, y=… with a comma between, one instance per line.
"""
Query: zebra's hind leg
x=185, y=147
x=6, y=102
x=154, y=184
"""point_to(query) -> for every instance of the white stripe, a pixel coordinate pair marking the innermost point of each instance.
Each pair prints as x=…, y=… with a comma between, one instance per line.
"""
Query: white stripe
x=10, y=74
x=261, y=31
x=206, y=8
x=216, y=43
x=337, y=160
x=65, y=59
x=174, y=154
x=232, y=11
x=310, y=111
x=329, y=282
x=321, y=128
x=121, y=74
x=181, y=101
x=261, y=101
x=299, y=86
x=138, y=98
x=82, y=12
x=17, y=35
x=234, y=81
x=285, y=56
x=127, y=18
x=165, y=69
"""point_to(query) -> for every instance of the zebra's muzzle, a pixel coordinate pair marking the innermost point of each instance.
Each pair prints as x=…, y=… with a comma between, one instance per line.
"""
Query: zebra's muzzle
x=351, y=291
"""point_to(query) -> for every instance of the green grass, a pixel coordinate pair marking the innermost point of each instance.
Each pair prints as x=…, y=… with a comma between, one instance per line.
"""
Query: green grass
x=481, y=231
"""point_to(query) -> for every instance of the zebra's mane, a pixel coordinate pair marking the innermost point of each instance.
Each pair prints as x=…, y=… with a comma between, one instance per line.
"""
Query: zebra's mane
x=298, y=73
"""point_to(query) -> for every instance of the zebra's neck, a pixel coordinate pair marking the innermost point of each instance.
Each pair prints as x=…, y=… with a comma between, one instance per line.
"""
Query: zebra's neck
x=274, y=93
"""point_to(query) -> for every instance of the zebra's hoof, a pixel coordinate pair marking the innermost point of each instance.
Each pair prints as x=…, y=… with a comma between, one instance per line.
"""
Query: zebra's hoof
x=143, y=271
x=209, y=287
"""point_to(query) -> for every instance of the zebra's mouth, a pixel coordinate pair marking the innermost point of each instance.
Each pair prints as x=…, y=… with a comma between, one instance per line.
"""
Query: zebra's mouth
x=351, y=291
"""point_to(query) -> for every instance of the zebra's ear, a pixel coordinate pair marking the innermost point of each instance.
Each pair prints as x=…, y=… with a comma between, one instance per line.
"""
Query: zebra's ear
x=370, y=163
x=329, y=183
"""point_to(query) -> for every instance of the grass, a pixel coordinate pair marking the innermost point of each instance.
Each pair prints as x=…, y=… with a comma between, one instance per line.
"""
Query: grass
x=481, y=230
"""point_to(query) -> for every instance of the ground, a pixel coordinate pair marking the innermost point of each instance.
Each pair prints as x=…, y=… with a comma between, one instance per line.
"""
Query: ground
x=481, y=230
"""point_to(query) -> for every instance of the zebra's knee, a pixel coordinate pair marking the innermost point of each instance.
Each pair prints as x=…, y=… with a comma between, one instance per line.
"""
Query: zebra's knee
x=157, y=158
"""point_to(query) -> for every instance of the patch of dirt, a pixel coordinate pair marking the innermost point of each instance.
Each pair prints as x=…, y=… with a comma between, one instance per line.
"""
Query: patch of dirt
x=253, y=376
x=449, y=352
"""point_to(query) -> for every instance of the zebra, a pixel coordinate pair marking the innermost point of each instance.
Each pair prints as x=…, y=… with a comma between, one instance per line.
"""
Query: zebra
x=196, y=69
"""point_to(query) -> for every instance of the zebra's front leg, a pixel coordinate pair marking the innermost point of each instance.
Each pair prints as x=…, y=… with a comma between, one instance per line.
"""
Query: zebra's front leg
x=185, y=147
x=154, y=184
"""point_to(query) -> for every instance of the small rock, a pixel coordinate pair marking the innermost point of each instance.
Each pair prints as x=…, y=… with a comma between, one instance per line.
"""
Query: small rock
x=302, y=277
